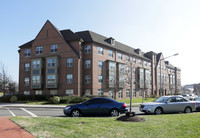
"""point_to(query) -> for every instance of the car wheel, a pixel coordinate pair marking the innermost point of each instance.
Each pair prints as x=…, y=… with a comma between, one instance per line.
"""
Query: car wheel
x=158, y=111
x=188, y=110
x=114, y=113
x=75, y=113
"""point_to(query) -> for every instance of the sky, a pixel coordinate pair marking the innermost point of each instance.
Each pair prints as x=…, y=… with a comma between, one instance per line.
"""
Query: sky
x=167, y=26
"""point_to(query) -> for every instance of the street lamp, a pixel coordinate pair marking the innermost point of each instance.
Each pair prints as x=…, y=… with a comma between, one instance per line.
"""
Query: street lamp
x=161, y=72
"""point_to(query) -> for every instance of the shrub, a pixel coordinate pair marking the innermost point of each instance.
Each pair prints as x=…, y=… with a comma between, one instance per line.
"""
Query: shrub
x=56, y=100
x=13, y=99
x=71, y=99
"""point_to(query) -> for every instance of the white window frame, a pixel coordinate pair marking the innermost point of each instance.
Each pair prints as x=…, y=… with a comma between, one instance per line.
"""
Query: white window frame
x=69, y=92
x=87, y=79
x=69, y=62
x=69, y=78
x=38, y=92
x=27, y=52
x=54, y=48
x=87, y=63
x=26, y=81
x=26, y=92
x=100, y=50
x=27, y=66
x=88, y=49
x=39, y=50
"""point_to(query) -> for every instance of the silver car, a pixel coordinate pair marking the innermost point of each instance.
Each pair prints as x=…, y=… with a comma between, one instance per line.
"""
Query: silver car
x=168, y=104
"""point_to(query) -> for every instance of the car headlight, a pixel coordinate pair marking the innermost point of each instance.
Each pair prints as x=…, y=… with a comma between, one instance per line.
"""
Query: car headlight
x=150, y=106
x=67, y=107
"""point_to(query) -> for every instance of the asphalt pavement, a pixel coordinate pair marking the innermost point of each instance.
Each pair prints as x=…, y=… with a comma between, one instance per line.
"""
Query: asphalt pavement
x=17, y=109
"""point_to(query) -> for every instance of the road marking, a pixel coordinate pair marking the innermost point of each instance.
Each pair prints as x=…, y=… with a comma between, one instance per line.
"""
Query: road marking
x=32, y=114
x=11, y=112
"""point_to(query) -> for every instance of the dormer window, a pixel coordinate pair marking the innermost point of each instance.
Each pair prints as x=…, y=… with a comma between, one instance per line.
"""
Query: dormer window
x=111, y=41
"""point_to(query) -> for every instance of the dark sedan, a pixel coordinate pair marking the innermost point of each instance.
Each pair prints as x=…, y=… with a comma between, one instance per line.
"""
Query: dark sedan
x=96, y=107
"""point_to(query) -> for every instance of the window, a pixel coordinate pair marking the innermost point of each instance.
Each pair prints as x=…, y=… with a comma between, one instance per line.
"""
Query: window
x=88, y=92
x=100, y=64
x=127, y=92
x=87, y=63
x=111, y=94
x=100, y=91
x=26, y=81
x=149, y=64
x=120, y=94
x=35, y=79
x=100, y=79
x=69, y=92
x=26, y=92
x=127, y=58
x=110, y=53
x=51, y=78
x=140, y=61
x=88, y=49
x=27, y=67
x=51, y=62
x=36, y=72
x=69, y=62
x=38, y=92
x=100, y=50
x=53, y=92
x=51, y=71
x=27, y=53
x=69, y=78
x=36, y=63
x=54, y=48
x=112, y=65
x=145, y=63
x=134, y=60
x=120, y=56
x=87, y=78
x=39, y=50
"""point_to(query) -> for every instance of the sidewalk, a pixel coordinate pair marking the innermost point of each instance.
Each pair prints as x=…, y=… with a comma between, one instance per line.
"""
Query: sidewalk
x=8, y=129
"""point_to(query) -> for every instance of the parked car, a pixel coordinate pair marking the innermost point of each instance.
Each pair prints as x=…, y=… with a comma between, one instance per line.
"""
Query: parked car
x=192, y=97
x=96, y=107
x=186, y=96
x=168, y=104
x=197, y=101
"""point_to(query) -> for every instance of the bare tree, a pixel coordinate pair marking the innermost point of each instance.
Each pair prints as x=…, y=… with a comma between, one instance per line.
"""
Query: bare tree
x=6, y=84
x=129, y=68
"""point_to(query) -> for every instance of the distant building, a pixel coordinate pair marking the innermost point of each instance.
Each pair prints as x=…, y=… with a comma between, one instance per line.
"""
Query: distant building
x=86, y=63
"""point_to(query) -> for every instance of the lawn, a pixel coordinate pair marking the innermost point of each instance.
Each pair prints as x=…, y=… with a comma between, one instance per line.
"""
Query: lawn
x=137, y=100
x=169, y=125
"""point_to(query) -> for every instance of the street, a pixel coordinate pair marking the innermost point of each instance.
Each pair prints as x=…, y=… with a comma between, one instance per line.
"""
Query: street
x=38, y=112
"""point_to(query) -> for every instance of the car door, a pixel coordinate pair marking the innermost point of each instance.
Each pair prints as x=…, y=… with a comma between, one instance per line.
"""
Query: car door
x=92, y=107
x=181, y=104
x=170, y=105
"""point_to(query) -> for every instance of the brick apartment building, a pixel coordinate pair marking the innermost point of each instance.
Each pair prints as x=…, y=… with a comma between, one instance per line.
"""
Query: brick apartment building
x=86, y=63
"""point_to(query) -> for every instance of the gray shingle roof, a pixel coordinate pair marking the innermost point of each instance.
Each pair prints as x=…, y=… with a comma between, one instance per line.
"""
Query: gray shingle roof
x=89, y=37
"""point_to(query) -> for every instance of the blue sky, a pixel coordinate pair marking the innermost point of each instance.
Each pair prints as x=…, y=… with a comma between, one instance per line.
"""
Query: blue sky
x=167, y=26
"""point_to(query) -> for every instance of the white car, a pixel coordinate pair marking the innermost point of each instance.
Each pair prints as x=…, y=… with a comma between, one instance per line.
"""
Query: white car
x=168, y=104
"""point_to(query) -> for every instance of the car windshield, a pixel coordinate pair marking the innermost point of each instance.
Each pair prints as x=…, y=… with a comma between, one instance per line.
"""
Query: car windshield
x=197, y=99
x=161, y=99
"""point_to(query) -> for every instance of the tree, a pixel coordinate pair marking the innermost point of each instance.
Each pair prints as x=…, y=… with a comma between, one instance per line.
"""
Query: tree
x=129, y=68
x=6, y=83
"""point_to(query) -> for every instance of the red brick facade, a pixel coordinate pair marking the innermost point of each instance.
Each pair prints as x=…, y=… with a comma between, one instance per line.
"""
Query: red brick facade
x=73, y=45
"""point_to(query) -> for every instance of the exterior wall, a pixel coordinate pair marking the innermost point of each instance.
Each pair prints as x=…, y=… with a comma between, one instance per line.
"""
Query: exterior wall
x=64, y=52
x=49, y=36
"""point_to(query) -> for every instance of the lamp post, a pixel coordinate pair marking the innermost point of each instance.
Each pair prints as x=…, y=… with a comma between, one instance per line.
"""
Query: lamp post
x=160, y=92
